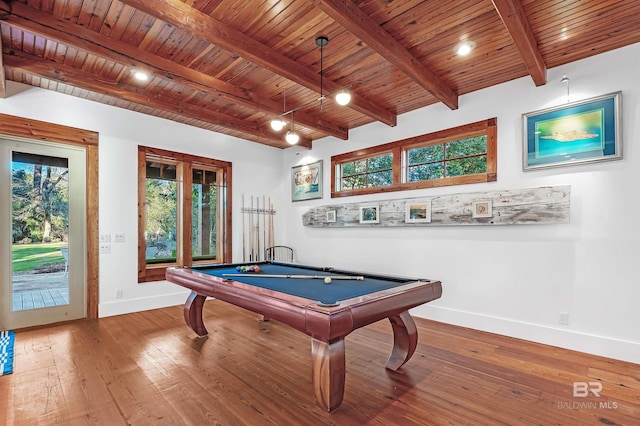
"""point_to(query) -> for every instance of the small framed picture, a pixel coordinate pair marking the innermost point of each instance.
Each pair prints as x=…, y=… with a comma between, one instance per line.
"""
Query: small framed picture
x=370, y=214
x=418, y=212
x=481, y=209
x=331, y=216
x=306, y=181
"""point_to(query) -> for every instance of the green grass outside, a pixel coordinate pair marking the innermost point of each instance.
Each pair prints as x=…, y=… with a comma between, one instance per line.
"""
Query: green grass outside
x=25, y=257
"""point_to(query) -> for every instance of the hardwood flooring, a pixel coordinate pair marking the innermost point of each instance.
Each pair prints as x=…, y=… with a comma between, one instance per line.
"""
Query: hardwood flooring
x=147, y=368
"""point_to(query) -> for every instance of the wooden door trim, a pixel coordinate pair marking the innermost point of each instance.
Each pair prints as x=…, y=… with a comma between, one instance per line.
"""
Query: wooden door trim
x=13, y=126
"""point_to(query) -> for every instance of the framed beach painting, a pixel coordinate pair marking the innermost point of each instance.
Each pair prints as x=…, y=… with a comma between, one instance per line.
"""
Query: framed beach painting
x=578, y=132
x=306, y=181
x=417, y=212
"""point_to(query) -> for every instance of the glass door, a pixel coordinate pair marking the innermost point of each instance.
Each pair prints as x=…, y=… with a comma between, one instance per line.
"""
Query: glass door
x=43, y=278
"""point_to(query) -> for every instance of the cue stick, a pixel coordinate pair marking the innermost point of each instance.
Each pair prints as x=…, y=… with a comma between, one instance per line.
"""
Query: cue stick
x=258, y=256
x=271, y=230
x=300, y=277
x=251, y=230
x=264, y=224
x=244, y=250
x=269, y=223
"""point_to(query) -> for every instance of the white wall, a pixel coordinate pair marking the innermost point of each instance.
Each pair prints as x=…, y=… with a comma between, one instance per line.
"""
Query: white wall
x=512, y=280
x=257, y=170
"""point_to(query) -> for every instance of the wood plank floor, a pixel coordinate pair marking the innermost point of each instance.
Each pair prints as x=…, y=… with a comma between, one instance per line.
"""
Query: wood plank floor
x=147, y=368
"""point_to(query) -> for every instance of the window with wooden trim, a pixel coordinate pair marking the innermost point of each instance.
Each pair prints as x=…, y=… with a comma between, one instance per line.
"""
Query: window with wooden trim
x=184, y=211
x=367, y=172
x=456, y=156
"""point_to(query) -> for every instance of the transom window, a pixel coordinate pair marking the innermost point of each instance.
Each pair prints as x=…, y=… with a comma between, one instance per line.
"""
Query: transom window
x=183, y=212
x=457, y=158
x=367, y=173
x=461, y=155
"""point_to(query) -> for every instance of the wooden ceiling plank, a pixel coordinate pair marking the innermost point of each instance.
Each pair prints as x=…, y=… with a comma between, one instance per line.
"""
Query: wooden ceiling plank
x=513, y=16
x=45, y=25
x=357, y=22
x=56, y=72
x=217, y=32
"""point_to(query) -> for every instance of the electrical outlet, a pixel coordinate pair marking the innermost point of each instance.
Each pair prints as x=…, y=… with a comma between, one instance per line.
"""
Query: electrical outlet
x=563, y=319
x=118, y=238
x=105, y=248
x=119, y=293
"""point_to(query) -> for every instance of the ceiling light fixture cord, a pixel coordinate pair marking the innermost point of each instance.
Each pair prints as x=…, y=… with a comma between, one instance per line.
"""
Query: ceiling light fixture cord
x=565, y=79
x=321, y=42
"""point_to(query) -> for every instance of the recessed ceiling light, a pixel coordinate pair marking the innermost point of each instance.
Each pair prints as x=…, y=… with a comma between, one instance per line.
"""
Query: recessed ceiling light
x=464, y=47
x=140, y=75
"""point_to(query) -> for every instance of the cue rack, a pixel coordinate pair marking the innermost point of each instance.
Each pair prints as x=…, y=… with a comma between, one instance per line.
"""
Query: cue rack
x=257, y=227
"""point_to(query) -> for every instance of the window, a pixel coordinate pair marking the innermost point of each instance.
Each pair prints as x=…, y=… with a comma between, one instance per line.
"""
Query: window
x=461, y=155
x=184, y=215
x=457, y=158
x=367, y=173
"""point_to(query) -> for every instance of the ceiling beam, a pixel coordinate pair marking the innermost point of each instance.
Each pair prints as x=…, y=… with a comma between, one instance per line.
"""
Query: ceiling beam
x=51, y=70
x=515, y=20
x=191, y=20
x=357, y=22
x=47, y=26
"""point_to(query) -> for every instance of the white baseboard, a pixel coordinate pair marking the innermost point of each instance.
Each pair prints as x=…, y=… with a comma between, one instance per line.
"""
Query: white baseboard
x=564, y=338
x=127, y=306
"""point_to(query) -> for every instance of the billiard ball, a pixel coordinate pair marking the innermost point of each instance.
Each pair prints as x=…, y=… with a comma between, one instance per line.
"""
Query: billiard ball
x=327, y=280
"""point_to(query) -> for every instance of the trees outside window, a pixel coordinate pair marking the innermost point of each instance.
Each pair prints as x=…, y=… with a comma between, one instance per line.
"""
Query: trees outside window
x=461, y=155
x=185, y=215
x=40, y=198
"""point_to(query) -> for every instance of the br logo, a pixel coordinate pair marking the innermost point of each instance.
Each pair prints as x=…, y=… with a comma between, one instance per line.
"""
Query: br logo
x=583, y=389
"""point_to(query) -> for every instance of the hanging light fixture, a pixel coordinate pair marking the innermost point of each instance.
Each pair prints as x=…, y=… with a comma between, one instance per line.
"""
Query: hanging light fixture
x=278, y=123
x=292, y=137
x=342, y=97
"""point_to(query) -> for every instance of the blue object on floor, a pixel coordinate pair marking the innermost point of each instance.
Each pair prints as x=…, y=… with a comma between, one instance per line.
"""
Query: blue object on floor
x=7, y=340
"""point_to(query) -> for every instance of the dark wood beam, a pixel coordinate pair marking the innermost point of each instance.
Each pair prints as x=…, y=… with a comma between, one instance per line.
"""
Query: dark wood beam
x=357, y=22
x=65, y=74
x=217, y=32
x=45, y=25
x=512, y=14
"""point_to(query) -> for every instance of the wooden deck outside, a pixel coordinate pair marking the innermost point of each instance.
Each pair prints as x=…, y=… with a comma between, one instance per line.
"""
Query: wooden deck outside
x=33, y=291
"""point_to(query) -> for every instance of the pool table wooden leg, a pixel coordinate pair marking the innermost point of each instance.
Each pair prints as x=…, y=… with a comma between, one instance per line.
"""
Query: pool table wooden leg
x=405, y=340
x=328, y=371
x=193, y=313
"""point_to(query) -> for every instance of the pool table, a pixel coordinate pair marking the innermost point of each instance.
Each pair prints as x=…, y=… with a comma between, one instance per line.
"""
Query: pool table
x=298, y=296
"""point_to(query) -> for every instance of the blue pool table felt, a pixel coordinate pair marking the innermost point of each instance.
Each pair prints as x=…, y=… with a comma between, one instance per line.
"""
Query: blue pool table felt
x=313, y=289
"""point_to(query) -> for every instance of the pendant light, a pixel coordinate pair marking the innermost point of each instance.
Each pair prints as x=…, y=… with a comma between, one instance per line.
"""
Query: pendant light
x=278, y=123
x=342, y=97
x=292, y=137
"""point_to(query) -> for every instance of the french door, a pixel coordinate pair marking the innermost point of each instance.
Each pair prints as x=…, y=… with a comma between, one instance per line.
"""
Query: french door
x=42, y=233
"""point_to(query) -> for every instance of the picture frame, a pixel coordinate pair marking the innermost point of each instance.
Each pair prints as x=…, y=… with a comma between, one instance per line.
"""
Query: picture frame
x=481, y=209
x=306, y=181
x=370, y=213
x=330, y=216
x=418, y=212
x=574, y=133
